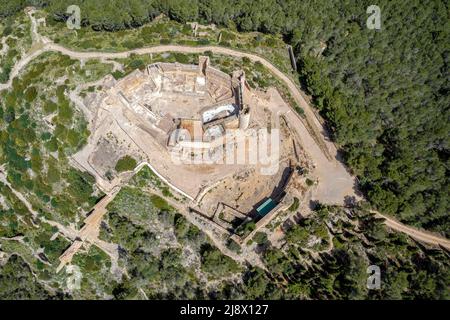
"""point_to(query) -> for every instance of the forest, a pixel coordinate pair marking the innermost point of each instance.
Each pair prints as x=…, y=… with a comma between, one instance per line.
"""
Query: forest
x=384, y=93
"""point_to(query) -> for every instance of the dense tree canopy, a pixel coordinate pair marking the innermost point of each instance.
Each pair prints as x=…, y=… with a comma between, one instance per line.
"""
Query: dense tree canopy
x=17, y=281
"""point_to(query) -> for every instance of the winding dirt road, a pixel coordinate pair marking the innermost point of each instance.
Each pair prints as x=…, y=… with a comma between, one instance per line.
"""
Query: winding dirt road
x=420, y=235
x=335, y=181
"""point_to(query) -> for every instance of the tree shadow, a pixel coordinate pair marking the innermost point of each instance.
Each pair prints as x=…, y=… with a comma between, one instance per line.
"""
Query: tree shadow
x=350, y=201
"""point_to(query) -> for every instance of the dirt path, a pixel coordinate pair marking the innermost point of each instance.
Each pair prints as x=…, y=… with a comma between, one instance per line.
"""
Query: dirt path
x=90, y=232
x=19, y=195
x=414, y=233
x=332, y=173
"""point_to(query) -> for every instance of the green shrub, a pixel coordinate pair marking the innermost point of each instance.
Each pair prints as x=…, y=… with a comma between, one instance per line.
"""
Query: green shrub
x=233, y=246
x=203, y=42
x=216, y=264
x=136, y=64
x=160, y=203
x=294, y=206
x=181, y=58
x=125, y=163
x=30, y=94
x=117, y=74
x=260, y=237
